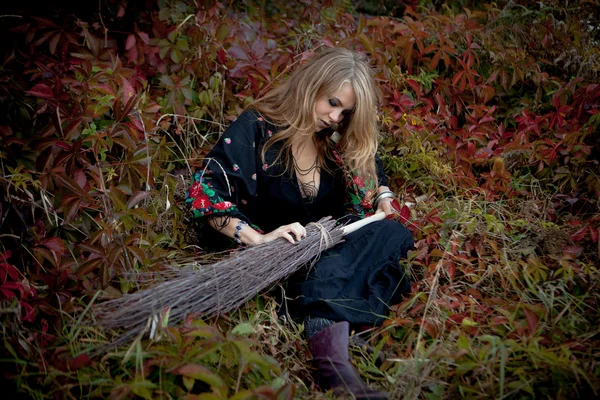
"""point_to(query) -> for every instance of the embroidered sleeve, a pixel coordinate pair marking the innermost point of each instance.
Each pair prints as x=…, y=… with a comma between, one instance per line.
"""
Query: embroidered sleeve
x=360, y=193
x=226, y=185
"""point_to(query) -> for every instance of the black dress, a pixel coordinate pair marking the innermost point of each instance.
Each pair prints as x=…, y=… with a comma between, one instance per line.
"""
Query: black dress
x=356, y=280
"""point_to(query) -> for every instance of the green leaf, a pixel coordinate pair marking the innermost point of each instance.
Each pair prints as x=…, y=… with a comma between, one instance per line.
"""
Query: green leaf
x=163, y=50
x=468, y=322
x=206, y=332
x=188, y=93
x=204, y=98
x=243, y=329
x=188, y=383
x=462, y=342
x=203, y=374
x=167, y=81
x=182, y=45
x=222, y=32
x=176, y=56
x=278, y=383
x=465, y=367
x=142, y=388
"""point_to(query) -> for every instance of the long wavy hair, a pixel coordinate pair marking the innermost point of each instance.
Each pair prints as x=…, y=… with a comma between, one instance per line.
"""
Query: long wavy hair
x=291, y=106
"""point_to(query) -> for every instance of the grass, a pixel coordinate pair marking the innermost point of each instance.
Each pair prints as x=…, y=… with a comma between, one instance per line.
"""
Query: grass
x=505, y=301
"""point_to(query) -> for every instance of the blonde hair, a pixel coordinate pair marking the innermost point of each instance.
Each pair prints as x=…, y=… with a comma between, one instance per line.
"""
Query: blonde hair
x=291, y=106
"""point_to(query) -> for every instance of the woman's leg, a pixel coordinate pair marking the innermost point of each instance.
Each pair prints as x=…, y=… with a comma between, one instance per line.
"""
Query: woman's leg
x=328, y=342
x=357, y=280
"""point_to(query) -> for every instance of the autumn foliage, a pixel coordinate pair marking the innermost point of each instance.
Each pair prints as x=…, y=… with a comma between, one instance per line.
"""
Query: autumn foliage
x=490, y=129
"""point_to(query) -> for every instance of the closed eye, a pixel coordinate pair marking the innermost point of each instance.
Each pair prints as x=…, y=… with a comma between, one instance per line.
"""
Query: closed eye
x=332, y=103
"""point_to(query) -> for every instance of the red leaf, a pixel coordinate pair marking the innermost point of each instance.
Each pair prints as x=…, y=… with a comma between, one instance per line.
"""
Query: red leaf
x=80, y=361
x=81, y=179
x=42, y=91
x=90, y=265
x=67, y=182
x=415, y=86
x=9, y=271
x=404, y=214
x=579, y=235
x=132, y=54
x=6, y=255
x=130, y=43
x=457, y=77
x=144, y=36
x=222, y=56
x=136, y=198
x=532, y=320
x=27, y=312
x=54, y=42
x=55, y=244
x=258, y=49
x=192, y=370
x=63, y=145
x=451, y=270
x=236, y=51
x=128, y=90
x=7, y=293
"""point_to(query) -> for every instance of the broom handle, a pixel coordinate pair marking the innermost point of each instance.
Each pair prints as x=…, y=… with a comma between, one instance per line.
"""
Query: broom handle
x=365, y=221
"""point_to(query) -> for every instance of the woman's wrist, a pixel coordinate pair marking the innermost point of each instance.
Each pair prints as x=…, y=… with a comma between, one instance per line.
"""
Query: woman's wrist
x=237, y=233
x=385, y=194
x=247, y=236
x=254, y=239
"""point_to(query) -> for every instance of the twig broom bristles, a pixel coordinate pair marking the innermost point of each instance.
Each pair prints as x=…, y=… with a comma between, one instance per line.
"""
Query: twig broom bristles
x=217, y=288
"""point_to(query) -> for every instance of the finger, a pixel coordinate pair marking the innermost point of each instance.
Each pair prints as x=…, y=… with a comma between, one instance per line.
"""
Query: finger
x=288, y=237
x=297, y=229
x=386, y=207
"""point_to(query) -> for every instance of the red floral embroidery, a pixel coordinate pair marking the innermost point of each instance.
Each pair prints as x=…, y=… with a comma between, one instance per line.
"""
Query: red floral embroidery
x=195, y=190
x=223, y=205
x=201, y=202
x=358, y=181
x=366, y=201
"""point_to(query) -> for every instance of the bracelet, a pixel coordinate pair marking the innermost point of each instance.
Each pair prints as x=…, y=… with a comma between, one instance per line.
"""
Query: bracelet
x=388, y=194
x=384, y=194
x=238, y=228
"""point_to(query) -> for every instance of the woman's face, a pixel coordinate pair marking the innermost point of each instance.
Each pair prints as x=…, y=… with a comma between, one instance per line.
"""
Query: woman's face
x=333, y=109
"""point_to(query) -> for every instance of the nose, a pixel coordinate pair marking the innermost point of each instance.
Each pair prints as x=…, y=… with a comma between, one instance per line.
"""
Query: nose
x=336, y=116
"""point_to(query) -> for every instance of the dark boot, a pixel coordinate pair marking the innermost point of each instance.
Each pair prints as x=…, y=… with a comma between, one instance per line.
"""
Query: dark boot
x=331, y=358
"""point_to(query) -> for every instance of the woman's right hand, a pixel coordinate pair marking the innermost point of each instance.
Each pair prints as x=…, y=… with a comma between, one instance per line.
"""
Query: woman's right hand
x=288, y=232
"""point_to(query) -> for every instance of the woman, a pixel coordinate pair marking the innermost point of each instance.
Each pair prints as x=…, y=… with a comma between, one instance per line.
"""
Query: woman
x=304, y=151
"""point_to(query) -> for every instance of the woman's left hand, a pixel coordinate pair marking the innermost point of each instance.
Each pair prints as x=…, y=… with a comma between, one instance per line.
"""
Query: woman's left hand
x=385, y=205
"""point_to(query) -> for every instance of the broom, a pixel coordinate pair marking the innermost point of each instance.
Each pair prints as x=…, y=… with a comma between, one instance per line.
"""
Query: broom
x=220, y=287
